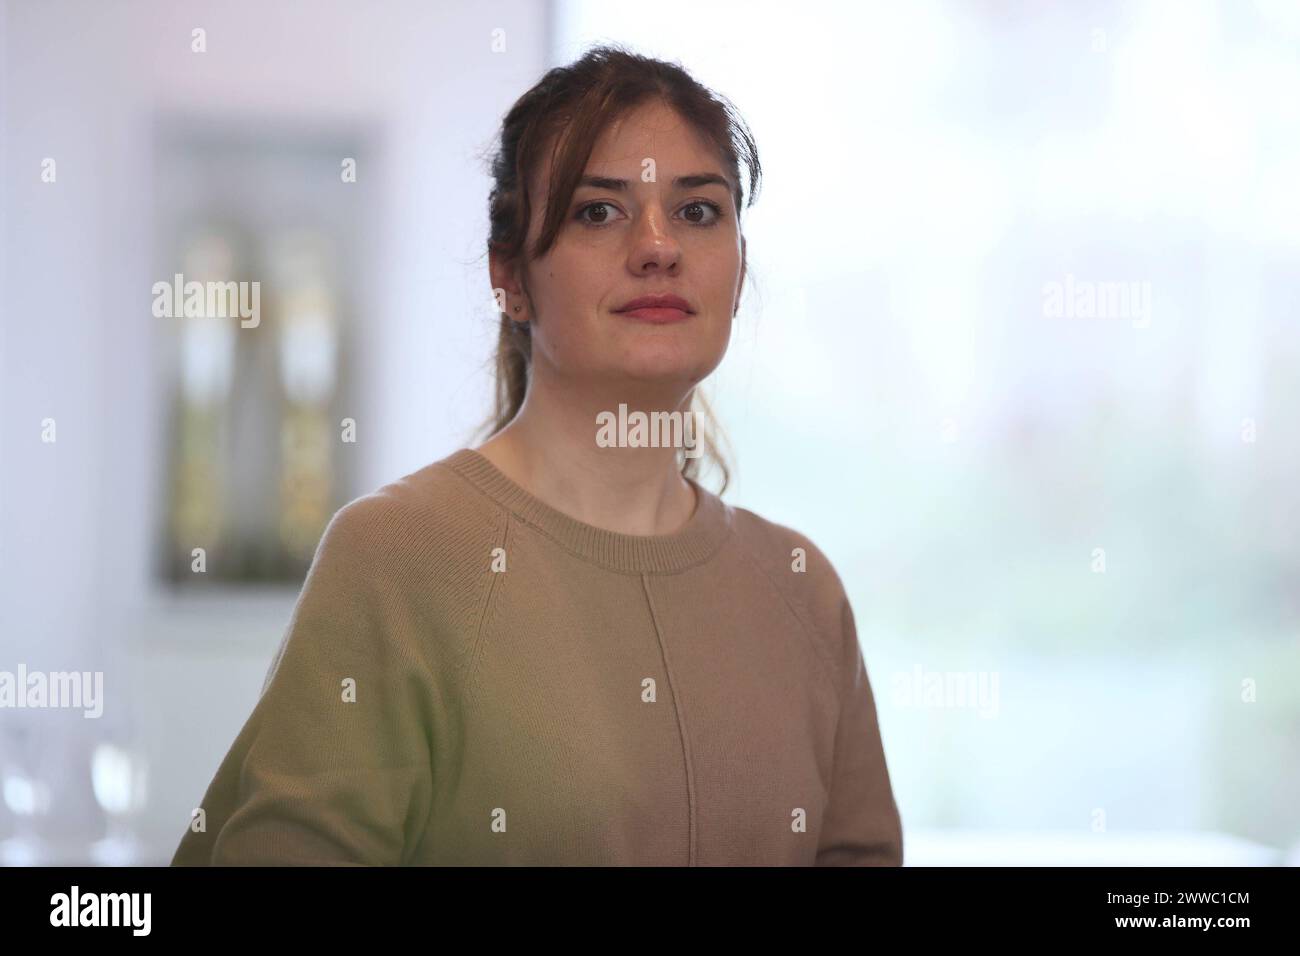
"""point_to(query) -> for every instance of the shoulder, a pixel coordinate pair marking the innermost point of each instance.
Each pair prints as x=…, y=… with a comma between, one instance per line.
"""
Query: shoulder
x=426, y=522
x=789, y=555
x=801, y=571
x=399, y=572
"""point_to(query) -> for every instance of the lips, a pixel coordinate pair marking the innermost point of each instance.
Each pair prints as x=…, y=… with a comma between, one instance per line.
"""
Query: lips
x=658, y=309
x=657, y=302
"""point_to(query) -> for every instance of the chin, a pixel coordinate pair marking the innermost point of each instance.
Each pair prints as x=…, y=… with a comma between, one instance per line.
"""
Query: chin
x=667, y=365
x=676, y=356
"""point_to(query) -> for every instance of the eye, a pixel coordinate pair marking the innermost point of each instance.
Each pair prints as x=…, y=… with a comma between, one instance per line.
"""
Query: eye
x=697, y=213
x=601, y=219
x=701, y=204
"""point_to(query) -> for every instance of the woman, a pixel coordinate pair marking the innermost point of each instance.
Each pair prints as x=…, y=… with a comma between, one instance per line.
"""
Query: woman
x=558, y=648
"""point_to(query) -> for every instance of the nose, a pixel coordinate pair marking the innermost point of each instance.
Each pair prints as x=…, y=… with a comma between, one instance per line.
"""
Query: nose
x=654, y=248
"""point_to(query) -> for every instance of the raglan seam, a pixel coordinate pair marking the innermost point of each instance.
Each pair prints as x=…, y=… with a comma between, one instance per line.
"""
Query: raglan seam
x=470, y=678
x=831, y=669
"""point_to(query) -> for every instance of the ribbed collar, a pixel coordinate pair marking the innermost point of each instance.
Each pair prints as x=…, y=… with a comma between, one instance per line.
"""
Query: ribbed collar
x=698, y=540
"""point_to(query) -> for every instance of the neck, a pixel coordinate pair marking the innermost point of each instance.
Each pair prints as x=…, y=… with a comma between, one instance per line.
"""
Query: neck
x=550, y=449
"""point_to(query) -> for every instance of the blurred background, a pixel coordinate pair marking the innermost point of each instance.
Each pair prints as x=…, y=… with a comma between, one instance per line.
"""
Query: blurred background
x=1023, y=294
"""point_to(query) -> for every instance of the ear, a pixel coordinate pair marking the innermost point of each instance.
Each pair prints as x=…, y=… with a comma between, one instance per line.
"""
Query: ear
x=497, y=271
x=503, y=277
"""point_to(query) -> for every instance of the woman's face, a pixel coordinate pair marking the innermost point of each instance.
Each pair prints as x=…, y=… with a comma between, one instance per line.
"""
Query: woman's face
x=633, y=238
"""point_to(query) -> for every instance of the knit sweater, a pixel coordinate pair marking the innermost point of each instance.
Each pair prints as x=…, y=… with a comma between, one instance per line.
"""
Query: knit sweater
x=472, y=677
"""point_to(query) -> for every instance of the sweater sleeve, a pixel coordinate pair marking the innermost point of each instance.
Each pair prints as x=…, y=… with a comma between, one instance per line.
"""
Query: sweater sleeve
x=333, y=766
x=861, y=826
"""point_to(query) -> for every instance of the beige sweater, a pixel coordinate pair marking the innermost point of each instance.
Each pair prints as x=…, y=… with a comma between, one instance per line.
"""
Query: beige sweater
x=470, y=676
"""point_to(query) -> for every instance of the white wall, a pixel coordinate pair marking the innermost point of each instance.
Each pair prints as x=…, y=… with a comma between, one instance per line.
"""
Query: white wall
x=82, y=83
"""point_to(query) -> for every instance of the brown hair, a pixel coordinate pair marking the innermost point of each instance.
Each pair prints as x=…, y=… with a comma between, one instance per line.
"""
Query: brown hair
x=577, y=102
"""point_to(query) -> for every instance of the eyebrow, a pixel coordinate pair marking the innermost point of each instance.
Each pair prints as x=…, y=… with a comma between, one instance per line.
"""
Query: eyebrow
x=693, y=181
